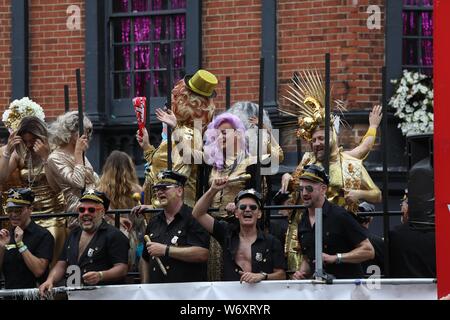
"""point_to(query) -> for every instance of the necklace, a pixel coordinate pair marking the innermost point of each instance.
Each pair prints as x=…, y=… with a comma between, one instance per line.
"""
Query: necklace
x=30, y=168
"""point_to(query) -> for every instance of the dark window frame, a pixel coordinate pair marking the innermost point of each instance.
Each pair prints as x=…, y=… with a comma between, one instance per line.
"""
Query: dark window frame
x=120, y=110
x=394, y=41
x=419, y=37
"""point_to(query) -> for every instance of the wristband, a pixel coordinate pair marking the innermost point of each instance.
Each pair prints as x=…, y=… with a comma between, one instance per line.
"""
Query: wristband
x=100, y=273
x=266, y=276
x=371, y=132
x=23, y=248
x=339, y=258
x=167, y=250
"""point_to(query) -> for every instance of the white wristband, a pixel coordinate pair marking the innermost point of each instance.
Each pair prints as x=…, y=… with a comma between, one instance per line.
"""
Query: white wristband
x=23, y=248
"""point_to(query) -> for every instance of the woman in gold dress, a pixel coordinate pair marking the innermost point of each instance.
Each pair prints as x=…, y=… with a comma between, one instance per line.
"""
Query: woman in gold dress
x=68, y=172
x=28, y=150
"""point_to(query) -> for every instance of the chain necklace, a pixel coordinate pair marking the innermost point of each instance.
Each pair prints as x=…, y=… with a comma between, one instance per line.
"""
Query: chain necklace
x=30, y=168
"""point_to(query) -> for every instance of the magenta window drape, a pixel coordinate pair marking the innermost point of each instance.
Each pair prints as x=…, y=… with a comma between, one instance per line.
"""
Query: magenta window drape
x=150, y=60
x=418, y=23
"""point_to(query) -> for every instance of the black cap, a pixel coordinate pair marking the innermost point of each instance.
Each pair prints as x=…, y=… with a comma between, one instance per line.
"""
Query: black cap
x=95, y=196
x=314, y=173
x=19, y=197
x=249, y=193
x=169, y=177
x=281, y=197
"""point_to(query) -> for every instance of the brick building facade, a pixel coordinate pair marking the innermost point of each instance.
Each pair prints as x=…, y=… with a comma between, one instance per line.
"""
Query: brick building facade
x=232, y=36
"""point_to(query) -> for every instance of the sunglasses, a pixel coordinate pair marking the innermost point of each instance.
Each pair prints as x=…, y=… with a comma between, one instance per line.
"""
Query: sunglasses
x=162, y=188
x=252, y=207
x=89, y=209
x=15, y=210
x=307, y=188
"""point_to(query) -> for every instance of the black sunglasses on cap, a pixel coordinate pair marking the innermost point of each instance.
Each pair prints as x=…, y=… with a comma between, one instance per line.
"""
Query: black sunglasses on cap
x=252, y=207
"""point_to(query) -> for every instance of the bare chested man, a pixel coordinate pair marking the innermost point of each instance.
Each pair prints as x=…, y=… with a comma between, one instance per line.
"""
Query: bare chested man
x=249, y=254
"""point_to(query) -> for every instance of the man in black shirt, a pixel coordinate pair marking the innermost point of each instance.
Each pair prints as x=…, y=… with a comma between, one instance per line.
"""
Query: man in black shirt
x=176, y=239
x=26, y=250
x=249, y=255
x=99, y=249
x=345, y=242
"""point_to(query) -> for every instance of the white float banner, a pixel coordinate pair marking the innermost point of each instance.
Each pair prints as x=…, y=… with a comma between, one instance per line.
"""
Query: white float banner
x=384, y=289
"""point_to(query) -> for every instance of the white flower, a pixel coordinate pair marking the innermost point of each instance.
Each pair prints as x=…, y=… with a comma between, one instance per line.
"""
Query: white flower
x=19, y=109
x=414, y=110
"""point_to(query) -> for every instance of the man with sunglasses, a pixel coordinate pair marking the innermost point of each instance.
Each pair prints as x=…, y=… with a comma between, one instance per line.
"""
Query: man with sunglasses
x=345, y=241
x=179, y=242
x=99, y=249
x=249, y=255
x=27, y=248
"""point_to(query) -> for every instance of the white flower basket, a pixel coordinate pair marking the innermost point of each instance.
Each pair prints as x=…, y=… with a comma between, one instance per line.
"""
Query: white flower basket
x=413, y=100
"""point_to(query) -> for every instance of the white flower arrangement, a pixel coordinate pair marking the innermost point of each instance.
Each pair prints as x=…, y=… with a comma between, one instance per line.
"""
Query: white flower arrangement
x=413, y=101
x=18, y=109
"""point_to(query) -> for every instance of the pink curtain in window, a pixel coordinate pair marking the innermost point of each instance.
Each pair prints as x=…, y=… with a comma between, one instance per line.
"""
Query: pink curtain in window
x=152, y=29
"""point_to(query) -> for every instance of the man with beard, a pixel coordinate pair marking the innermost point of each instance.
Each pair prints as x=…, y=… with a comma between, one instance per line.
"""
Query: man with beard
x=350, y=183
x=177, y=242
x=249, y=255
x=99, y=249
x=345, y=242
x=26, y=249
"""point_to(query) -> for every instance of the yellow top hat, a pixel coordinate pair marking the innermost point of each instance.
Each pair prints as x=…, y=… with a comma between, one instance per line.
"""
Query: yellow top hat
x=202, y=82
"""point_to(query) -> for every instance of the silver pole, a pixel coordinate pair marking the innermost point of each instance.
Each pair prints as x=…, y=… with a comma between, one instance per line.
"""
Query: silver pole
x=318, y=249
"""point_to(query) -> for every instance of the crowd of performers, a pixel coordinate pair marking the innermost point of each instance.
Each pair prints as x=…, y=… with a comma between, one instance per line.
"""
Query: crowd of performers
x=43, y=170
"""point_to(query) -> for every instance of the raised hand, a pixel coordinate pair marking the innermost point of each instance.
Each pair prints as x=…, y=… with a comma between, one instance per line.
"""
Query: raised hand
x=219, y=183
x=4, y=237
x=166, y=116
x=41, y=149
x=81, y=145
x=18, y=234
x=13, y=141
x=143, y=141
x=375, y=116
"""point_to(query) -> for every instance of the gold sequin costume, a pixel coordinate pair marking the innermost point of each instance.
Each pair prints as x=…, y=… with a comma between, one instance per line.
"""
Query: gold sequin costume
x=307, y=94
x=13, y=181
x=183, y=138
x=67, y=177
x=46, y=201
x=292, y=248
x=346, y=172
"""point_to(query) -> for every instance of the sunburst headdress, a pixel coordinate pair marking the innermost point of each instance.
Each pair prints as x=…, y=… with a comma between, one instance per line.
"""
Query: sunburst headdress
x=307, y=95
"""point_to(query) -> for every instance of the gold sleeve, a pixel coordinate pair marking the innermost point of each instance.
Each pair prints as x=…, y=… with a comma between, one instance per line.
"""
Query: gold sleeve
x=75, y=177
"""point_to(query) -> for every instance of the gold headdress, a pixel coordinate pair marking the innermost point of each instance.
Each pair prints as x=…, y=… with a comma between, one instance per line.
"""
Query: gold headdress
x=307, y=94
x=18, y=109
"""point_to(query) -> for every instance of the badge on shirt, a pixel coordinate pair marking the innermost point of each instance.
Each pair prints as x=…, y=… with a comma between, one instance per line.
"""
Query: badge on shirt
x=258, y=257
x=174, y=240
x=90, y=252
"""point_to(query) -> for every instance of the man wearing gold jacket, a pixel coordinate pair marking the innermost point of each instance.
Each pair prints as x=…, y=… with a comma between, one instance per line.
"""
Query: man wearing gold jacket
x=350, y=183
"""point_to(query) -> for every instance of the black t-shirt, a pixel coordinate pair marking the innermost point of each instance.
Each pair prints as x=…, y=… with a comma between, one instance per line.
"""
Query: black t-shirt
x=378, y=245
x=108, y=247
x=183, y=231
x=40, y=243
x=412, y=252
x=341, y=234
x=267, y=253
